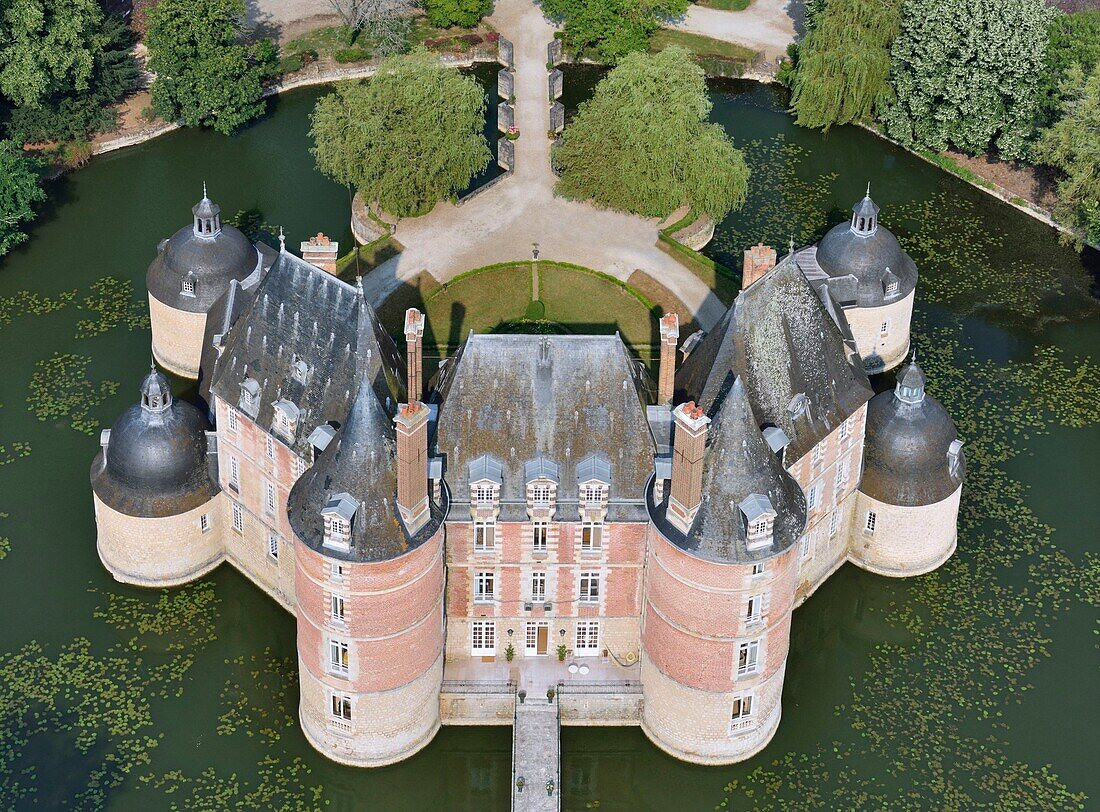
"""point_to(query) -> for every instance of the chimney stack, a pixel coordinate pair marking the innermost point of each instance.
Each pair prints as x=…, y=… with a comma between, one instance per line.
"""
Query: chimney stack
x=414, y=349
x=322, y=252
x=758, y=261
x=670, y=332
x=412, y=464
x=687, y=464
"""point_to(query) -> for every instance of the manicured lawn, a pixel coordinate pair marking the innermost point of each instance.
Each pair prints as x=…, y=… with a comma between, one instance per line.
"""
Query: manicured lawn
x=495, y=299
x=725, y=5
x=701, y=46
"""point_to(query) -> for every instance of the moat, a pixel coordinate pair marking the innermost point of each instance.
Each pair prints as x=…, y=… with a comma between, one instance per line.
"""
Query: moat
x=1000, y=297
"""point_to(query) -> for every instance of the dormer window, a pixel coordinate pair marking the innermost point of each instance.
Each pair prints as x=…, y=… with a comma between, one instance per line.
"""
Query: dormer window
x=250, y=396
x=484, y=495
x=799, y=406
x=338, y=514
x=299, y=371
x=485, y=477
x=541, y=475
x=540, y=494
x=188, y=287
x=592, y=495
x=954, y=456
x=284, y=420
x=759, y=517
x=593, y=485
x=892, y=288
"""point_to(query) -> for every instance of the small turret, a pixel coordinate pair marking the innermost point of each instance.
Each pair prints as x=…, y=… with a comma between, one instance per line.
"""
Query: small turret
x=865, y=216
x=208, y=221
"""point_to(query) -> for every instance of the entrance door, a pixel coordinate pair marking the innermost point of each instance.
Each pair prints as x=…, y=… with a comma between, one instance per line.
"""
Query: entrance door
x=537, y=637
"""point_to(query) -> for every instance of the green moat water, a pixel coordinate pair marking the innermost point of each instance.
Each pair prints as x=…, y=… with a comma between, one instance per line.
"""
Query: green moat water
x=915, y=694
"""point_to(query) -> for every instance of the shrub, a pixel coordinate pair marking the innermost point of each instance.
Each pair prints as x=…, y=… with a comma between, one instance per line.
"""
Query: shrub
x=345, y=55
x=466, y=13
x=292, y=63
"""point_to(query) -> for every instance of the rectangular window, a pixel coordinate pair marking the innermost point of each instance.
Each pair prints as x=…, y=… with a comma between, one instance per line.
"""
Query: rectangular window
x=269, y=498
x=755, y=608
x=587, y=641
x=806, y=551
x=540, y=495
x=484, y=537
x=336, y=608
x=813, y=496
x=299, y=466
x=238, y=518
x=539, y=533
x=843, y=468
x=483, y=634
x=743, y=708
x=892, y=288
x=273, y=547
x=869, y=525
x=591, y=537
x=235, y=474
x=339, y=657
x=748, y=658
x=233, y=419
x=483, y=495
x=834, y=522
x=592, y=495
x=341, y=707
x=485, y=587
x=269, y=447
x=885, y=328
x=819, y=452
x=538, y=586
x=589, y=587
x=204, y=522
x=758, y=569
x=336, y=571
x=845, y=427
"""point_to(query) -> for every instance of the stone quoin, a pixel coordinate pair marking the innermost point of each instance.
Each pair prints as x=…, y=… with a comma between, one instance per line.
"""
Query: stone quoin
x=537, y=494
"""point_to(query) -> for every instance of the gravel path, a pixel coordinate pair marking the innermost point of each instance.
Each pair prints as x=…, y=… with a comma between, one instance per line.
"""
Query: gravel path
x=503, y=223
x=766, y=25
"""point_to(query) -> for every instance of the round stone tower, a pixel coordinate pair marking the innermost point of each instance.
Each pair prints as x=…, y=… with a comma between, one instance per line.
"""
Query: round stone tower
x=155, y=491
x=873, y=280
x=369, y=578
x=720, y=587
x=193, y=268
x=907, y=505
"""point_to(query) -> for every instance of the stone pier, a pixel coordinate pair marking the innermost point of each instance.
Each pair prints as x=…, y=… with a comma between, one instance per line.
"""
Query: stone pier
x=536, y=755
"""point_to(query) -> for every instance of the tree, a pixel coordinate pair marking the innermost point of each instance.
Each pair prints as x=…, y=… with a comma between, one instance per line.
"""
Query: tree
x=967, y=74
x=47, y=46
x=204, y=75
x=18, y=193
x=408, y=137
x=384, y=22
x=70, y=114
x=466, y=13
x=642, y=142
x=843, y=67
x=610, y=29
x=1073, y=145
x=1073, y=39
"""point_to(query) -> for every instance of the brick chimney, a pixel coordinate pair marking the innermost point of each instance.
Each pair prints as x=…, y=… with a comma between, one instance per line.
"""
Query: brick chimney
x=670, y=332
x=412, y=464
x=687, y=464
x=758, y=261
x=414, y=349
x=322, y=252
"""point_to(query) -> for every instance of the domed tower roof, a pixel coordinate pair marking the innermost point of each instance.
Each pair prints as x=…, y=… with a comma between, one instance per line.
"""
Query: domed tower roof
x=913, y=454
x=154, y=463
x=194, y=266
x=869, y=266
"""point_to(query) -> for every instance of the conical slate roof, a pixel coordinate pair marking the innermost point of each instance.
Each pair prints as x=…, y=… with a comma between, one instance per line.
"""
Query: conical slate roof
x=908, y=445
x=738, y=469
x=156, y=462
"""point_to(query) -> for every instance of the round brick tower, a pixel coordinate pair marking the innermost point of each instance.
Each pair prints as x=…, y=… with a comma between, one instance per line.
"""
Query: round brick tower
x=369, y=576
x=192, y=269
x=907, y=506
x=155, y=492
x=721, y=574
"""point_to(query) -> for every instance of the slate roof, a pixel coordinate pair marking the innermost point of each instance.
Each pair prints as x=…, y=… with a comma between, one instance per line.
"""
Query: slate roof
x=516, y=397
x=781, y=340
x=906, y=447
x=359, y=466
x=856, y=268
x=737, y=464
x=157, y=462
x=299, y=312
x=213, y=260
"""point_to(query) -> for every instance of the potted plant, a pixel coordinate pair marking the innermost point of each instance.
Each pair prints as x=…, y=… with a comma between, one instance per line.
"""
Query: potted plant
x=510, y=652
x=513, y=133
x=550, y=693
x=562, y=651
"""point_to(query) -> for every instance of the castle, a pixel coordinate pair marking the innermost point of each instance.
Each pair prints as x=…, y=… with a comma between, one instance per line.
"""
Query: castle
x=541, y=513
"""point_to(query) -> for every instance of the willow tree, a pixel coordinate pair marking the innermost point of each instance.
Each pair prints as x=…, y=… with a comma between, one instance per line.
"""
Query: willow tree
x=642, y=143
x=844, y=62
x=407, y=138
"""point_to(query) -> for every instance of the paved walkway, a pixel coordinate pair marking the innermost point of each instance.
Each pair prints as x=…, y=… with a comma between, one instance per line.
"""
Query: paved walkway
x=536, y=754
x=766, y=25
x=502, y=223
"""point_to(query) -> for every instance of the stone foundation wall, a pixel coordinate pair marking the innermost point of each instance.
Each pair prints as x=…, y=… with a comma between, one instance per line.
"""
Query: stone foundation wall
x=583, y=709
x=177, y=338
x=159, y=552
x=881, y=352
x=469, y=708
x=907, y=540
